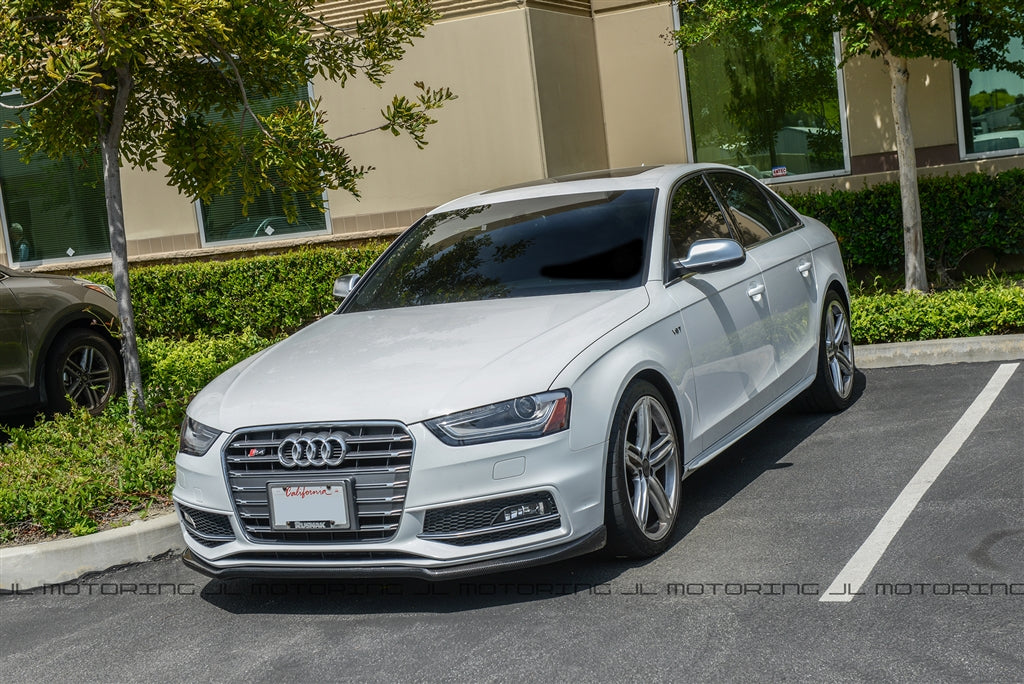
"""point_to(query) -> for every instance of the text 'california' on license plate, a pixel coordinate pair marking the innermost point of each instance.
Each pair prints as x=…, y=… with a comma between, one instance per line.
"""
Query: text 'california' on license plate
x=311, y=506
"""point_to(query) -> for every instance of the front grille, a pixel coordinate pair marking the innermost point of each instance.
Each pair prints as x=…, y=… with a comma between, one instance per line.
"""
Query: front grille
x=209, y=529
x=483, y=522
x=377, y=465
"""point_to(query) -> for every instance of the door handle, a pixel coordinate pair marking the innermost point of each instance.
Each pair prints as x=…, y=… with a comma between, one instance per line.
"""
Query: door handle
x=755, y=291
x=805, y=269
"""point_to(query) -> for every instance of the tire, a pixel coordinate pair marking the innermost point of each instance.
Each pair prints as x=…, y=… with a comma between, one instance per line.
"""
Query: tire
x=832, y=389
x=644, y=477
x=83, y=366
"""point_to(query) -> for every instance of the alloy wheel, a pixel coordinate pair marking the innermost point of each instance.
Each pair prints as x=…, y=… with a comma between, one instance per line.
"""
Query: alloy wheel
x=651, y=459
x=838, y=349
x=86, y=376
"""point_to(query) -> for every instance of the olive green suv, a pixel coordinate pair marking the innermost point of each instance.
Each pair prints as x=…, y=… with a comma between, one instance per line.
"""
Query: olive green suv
x=59, y=343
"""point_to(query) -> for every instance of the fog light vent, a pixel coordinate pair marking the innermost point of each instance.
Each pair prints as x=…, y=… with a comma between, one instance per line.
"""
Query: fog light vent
x=493, y=520
x=209, y=529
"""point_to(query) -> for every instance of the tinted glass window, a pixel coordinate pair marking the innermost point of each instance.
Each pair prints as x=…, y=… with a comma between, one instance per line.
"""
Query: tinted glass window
x=991, y=102
x=765, y=100
x=539, y=246
x=55, y=208
x=223, y=217
x=748, y=207
x=787, y=219
x=694, y=215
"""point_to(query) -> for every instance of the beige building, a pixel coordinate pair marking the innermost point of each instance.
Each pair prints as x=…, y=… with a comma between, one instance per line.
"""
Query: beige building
x=547, y=88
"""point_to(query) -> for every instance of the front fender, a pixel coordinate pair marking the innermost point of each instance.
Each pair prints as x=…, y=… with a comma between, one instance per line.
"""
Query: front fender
x=653, y=342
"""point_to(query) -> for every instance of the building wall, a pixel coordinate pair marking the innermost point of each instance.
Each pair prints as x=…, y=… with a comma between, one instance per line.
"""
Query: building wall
x=869, y=112
x=491, y=135
x=640, y=86
x=157, y=217
x=568, y=91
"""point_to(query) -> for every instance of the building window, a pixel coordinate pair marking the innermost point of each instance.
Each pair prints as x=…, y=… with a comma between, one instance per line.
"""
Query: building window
x=51, y=209
x=991, y=105
x=222, y=219
x=767, y=103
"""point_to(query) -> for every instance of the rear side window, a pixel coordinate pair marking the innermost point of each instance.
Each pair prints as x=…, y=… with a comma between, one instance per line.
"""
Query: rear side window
x=694, y=215
x=748, y=207
x=787, y=219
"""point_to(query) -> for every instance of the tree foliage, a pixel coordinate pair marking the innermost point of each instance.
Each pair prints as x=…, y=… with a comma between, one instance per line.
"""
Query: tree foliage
x=192, y=67
x=175, y=81
x=895, y=31
x=877, y=28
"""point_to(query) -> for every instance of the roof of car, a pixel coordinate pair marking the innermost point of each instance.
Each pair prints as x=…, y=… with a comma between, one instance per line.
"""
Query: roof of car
x=632, y=178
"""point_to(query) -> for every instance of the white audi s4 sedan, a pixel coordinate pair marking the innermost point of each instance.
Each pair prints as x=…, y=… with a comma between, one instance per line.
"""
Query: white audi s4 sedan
x=525, y=375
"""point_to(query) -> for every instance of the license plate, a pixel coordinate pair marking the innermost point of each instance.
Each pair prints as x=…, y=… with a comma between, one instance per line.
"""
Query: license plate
x=310, y=506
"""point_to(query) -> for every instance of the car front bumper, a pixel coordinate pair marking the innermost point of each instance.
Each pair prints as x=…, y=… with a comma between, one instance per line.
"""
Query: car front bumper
x=586, y=544
x=441, y=478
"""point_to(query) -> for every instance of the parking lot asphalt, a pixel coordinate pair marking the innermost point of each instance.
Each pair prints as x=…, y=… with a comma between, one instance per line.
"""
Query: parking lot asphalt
x=65, y=560
x=742, y=594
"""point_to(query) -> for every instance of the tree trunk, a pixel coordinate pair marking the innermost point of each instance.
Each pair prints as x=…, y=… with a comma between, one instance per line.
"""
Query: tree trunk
x=913, y=237
x=110, y=146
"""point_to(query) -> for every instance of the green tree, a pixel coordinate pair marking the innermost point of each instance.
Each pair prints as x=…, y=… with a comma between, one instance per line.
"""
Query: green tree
x=894, y=31
x=144, y=81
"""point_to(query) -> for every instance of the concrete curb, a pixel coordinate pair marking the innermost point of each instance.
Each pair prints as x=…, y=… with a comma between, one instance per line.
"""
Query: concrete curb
x=26, y=567
x=939, y=352
x=33, y=565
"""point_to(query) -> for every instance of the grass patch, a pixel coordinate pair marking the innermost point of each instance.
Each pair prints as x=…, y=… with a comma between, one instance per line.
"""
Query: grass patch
x=68, y=473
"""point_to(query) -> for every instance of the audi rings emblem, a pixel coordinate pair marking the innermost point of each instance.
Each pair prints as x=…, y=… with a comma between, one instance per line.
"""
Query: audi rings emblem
x=322, y=449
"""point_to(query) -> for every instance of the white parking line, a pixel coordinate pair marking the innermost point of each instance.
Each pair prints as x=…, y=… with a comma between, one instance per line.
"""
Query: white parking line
x=856, y=571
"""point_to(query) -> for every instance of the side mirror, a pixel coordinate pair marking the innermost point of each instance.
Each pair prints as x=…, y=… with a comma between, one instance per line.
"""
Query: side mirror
x=344, y=284
x=710, y=255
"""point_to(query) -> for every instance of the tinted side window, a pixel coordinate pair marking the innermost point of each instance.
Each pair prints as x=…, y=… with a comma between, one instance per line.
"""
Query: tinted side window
x=748, y=207
x=785, y=215
x=694, y=215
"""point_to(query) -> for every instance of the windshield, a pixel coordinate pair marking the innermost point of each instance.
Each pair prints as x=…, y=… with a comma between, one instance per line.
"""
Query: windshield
x=537, y=246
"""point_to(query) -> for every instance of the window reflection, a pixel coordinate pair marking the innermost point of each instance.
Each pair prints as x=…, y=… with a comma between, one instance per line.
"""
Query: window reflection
x=766, y=102
x=992, y=102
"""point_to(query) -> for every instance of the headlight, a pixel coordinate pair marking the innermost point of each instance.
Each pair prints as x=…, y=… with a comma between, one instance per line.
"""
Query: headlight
x=521, y=418
x=103, y=289
x=196, y=438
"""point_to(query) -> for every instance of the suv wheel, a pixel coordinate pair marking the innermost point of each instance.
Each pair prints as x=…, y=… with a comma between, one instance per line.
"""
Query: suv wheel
x=83, y=370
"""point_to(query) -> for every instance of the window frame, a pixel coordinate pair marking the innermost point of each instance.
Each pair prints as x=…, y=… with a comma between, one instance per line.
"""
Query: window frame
x=667, y=247
x=844, y=126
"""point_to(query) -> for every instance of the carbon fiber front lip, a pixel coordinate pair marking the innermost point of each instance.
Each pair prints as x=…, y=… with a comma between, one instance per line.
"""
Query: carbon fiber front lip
x=592, y=542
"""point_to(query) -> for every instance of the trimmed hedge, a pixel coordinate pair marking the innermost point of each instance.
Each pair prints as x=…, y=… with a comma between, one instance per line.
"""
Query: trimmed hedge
x=230, y=310
x=175, y=370
x=266, y=295
x=959, y=214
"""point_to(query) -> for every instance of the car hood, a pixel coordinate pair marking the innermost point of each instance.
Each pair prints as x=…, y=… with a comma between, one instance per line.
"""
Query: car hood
x=415, y=363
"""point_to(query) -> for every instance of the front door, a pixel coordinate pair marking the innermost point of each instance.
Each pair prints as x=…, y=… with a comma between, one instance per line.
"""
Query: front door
x=725, y=315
